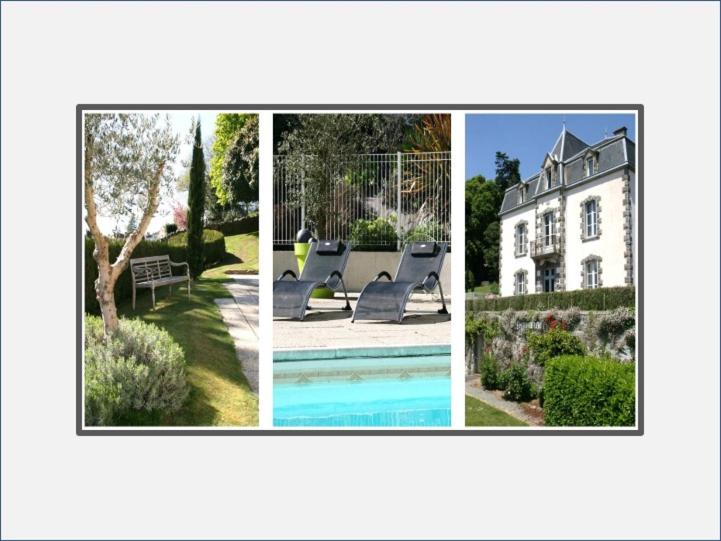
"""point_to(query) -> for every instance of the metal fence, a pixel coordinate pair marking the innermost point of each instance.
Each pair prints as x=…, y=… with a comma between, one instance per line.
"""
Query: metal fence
x=376, y=201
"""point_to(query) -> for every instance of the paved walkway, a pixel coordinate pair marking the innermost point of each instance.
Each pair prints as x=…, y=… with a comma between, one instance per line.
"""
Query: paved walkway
x=474, y=389
x=328, y=326
x=240, y=314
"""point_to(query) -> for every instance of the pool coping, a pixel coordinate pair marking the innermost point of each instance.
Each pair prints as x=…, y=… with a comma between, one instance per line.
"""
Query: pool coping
x=317, y=354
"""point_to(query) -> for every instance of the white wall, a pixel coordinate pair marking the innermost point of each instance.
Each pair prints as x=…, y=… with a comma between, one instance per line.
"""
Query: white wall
x=510, y=264
x=362, y=267
x=610, y=245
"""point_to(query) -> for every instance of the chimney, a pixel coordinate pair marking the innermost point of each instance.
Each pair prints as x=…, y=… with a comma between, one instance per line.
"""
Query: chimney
x=620, y=131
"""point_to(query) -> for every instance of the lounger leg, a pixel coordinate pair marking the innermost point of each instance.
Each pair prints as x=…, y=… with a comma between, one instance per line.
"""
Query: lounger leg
x=170, y=291
x=443, y=310
x=152, y=292
x=347, y=304
x=188, y=288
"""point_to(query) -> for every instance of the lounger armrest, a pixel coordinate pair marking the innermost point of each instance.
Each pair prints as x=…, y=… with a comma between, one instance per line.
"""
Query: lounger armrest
x=332, y=274
x=381, y=275
x=432, y=274
x=286, y=273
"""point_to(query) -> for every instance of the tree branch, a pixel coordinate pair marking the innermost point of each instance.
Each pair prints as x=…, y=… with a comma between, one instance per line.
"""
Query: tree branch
x=136, y=236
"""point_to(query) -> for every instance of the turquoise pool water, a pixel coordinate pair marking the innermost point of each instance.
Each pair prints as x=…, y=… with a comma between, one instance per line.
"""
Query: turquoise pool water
x=371, y=387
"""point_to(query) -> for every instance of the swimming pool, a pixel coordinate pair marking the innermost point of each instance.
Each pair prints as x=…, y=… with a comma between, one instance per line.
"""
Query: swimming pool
x=398, y=386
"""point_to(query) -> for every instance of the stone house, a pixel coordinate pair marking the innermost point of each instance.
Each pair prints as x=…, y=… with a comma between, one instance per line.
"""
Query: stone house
x=571, y=224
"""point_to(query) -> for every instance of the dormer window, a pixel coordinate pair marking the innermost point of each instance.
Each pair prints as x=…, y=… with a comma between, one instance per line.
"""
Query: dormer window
x=521, y=194
x=549, y=178
x=589, y=166
x=590, y=163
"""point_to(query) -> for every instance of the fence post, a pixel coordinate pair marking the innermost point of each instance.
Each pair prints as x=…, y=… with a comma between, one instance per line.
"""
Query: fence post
x=399, y=176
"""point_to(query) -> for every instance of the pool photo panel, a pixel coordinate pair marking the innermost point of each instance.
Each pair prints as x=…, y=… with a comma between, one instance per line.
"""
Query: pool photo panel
x=170, y=226
x=551, y=270
x=361, y=260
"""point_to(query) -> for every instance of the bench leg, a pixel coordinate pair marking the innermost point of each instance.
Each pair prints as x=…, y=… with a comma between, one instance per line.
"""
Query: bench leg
x=188, y=289
x=133, y=296
x=152, y=292
x=170, y=290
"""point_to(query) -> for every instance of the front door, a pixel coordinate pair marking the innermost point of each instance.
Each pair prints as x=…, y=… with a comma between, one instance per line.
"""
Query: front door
x=549, y=279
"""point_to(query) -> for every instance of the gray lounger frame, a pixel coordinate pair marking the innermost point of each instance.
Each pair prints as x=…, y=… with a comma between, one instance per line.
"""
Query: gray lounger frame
x=312, y=277
x=400, y=291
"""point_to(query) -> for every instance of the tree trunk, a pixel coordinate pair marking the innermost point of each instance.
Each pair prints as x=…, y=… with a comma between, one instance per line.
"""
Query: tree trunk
x=105, y=286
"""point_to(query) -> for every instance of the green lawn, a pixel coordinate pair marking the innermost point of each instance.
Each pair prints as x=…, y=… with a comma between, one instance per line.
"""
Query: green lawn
x=220, y=395
x=485, y=289
x=241, y=257
x=481, y=414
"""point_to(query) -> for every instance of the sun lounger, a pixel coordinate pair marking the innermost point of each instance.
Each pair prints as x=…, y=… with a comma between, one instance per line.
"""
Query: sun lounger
x=419, y=269
x=324, y=267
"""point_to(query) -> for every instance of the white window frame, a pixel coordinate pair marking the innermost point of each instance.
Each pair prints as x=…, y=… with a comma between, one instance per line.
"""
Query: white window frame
x=519, y=286
x=521, y=237
x=590, y=165
x=549, y=178
x=592, y=281
x=591, y=214
x=549, y=238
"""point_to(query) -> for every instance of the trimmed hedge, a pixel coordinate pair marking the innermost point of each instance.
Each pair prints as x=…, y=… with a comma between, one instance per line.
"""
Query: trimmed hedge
x=173, y=246
x=589, y=391
x=249, y=224
x=602, y=298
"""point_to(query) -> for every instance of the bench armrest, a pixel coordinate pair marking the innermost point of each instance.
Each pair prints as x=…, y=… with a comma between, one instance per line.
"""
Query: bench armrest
x=381, y=275
x=286, y=273
x=181, y=264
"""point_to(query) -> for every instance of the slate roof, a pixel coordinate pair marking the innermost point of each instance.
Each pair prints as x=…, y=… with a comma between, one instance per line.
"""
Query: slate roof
x=570, y=151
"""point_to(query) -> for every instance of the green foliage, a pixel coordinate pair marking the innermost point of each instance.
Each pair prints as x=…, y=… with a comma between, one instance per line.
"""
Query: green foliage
x=615, y=323
x=518, y=386
x=213, y=245
x=248, y=224
x=317, y=150
x=228, y=127
x=491, y=376
x=589, y=391
x=483, y=201
x=138, y=370
x=128, y=156
x=430, y=230
x=240, y=169
x=507, y=171
x=602, y=298
x=554, y=343
x=196, y=206
x=488, y=328
x=174, y=246
x=372, y=235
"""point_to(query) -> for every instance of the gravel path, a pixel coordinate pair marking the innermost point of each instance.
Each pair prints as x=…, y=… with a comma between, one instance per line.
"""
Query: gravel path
x=240, y=314
x=474, y=389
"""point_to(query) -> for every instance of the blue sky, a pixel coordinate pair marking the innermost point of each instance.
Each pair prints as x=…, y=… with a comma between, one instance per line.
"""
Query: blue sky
x=529, y=137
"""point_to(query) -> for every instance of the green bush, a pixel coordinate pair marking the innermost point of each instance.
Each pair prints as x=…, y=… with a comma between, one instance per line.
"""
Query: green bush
x=138, y=371
x=431, y=230
x=554, y=343
x=490, y=373
x=518, y=386
x=603, y=298
x=248, y=224
x=589, y=391
x=373, y=235
x=213, y=244
x=173, y=246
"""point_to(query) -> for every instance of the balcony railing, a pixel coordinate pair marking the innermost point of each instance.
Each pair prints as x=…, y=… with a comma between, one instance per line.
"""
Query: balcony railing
x=545, y=246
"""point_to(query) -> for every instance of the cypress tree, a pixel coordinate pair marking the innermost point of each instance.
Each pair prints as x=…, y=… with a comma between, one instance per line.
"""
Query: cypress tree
x=196, y=206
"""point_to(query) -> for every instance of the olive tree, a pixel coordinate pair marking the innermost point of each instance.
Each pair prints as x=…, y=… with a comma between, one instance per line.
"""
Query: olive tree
x=127, y=159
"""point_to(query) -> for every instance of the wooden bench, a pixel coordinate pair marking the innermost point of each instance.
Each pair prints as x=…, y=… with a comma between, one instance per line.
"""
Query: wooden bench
x=156, y=271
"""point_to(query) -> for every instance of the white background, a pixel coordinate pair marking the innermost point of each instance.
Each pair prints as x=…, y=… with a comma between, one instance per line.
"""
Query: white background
x=662, y=485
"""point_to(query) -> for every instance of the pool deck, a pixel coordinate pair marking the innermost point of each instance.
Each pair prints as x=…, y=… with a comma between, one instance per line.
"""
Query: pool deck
x=328, y=326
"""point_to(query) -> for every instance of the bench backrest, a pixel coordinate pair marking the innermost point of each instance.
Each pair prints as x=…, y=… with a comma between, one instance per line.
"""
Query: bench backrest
x=150, y=268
